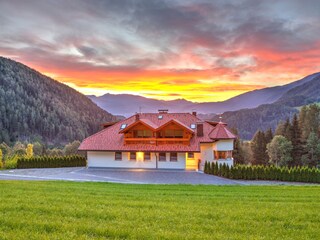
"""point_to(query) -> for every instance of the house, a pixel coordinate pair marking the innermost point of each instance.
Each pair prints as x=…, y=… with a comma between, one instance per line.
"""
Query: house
x=160, y=140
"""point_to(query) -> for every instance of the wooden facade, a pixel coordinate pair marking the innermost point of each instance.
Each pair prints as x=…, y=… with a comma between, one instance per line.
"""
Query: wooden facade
x=171, y=133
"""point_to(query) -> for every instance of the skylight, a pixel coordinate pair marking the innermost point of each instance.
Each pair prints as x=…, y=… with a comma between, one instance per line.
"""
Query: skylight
x=160, y=117
x=123, y=126
x=193, y=126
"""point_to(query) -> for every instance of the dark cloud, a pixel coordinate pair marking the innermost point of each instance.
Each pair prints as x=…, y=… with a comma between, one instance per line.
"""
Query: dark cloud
x=225, y=37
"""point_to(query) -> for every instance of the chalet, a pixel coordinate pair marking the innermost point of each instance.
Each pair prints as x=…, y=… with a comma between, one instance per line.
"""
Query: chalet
x=160, y=141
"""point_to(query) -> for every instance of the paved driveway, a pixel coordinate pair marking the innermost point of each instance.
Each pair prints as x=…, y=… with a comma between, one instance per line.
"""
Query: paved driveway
x=135, y=176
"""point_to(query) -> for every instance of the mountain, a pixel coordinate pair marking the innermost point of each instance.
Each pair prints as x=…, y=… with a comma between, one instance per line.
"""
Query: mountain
x=125, y=104
x=34, y=106
x=248, y=121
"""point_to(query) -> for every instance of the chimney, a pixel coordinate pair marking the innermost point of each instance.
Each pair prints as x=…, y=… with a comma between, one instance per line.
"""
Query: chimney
x=163, y=110
x=194, y=113
x=200, y=129
x=137, y=116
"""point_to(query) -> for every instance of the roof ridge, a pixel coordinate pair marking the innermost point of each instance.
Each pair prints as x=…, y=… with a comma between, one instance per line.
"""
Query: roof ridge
x=103, y=130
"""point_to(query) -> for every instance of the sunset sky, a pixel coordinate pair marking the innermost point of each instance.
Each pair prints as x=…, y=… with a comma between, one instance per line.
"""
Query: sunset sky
x=197, y=50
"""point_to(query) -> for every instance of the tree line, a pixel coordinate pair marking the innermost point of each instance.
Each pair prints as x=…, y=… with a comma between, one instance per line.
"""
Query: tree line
x=9, y=155
x=295, y=142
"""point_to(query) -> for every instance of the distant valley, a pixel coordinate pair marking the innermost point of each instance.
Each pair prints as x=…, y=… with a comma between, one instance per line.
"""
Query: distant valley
x=34, y=106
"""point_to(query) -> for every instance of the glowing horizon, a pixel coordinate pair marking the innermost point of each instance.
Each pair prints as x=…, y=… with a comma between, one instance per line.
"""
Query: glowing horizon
x=201, y=51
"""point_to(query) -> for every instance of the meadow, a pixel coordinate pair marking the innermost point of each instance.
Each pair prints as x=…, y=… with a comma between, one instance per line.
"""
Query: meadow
x=73, y=210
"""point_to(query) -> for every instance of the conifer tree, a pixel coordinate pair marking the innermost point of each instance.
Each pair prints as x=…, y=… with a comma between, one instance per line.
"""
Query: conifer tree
x=288, y=131
x=280, y=130
x=268, y=135
x=312, y=157
x=296, y=140
x=238, y=154
x=258, y=147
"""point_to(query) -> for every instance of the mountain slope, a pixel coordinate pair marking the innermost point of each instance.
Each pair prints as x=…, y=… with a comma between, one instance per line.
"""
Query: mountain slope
x=256, y=98
x=125, y=104
x=248, y=121
x=34, y=106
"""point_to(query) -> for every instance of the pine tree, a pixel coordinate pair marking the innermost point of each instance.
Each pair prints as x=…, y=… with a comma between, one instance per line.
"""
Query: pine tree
x=258, y=147
x=297, y=144
x=237, y=153
x=312, y=158
x=268, y=135
x=288, y=130
x=280, y=130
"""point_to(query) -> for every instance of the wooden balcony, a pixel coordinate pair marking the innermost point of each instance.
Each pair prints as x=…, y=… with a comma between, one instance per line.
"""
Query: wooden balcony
x=157, y=141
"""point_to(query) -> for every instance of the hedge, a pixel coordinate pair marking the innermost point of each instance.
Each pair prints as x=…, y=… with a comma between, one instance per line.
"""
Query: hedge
x=52, y=162
x=246, y=172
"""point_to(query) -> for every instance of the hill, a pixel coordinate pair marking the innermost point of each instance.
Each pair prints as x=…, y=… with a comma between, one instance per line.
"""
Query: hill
x=248, y=121
x=34, y=106
x=126, y=104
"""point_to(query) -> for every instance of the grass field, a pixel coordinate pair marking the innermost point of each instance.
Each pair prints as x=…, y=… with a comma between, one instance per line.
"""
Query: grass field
x=70, y=210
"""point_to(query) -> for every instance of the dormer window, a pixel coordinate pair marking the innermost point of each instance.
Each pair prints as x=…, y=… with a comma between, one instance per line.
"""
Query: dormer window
x=123, y=126
x=193, y=126
x=160, y=117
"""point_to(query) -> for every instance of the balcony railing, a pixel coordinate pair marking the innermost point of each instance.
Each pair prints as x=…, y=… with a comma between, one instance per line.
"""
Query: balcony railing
x=157, y=141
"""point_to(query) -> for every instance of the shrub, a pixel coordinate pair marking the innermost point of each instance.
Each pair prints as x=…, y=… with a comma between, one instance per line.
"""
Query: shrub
x=11, y=163
x=51, y=162
x=294, y=174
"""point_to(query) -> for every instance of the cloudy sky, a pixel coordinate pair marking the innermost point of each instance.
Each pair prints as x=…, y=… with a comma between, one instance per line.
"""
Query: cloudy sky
x=197, y=50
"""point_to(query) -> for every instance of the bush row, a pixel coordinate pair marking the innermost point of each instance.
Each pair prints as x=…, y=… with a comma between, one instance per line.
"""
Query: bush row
x=294, y=174
x=52, y=162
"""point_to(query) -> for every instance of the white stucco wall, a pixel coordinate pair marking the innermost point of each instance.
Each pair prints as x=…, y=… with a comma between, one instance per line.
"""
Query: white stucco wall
x=223, y=145
x=107, y=159
x=208, y=148
x=180, y=164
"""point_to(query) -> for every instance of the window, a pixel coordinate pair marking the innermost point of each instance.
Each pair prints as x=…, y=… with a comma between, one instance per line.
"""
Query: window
x=160, y=117
x=123, y=126
x=162, y=157
x=173, y=133
x=193, y=126
x=142, y=133
x=147, y=156
x=222, y=154
x=133, y=156
x=190, y=155
x=178, y=133
x=118, y=156
x=173, y=157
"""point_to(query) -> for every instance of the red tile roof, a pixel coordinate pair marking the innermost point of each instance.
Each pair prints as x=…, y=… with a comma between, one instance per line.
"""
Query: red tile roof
x=110, y=139
x=221, y=132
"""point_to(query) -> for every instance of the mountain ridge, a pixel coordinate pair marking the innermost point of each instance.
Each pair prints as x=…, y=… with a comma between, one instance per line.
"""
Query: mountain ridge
x=265, y=116
x=127, y=104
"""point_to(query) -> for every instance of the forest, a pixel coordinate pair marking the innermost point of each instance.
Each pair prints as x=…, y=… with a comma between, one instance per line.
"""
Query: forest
x=295, y=142
x=34, y=107
x=9, y=155
x=266, y=116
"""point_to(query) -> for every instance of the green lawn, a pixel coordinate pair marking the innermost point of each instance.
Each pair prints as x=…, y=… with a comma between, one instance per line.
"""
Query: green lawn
x=70, y=210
